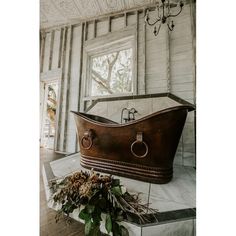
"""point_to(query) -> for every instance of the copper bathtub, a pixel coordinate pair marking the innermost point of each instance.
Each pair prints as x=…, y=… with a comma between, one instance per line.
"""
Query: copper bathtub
x=142, y=149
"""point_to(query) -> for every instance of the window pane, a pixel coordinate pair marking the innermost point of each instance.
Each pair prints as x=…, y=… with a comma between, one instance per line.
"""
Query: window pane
x=112, y=73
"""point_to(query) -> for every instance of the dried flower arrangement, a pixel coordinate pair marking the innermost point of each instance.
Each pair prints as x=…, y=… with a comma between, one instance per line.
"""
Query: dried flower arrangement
x=98, y=194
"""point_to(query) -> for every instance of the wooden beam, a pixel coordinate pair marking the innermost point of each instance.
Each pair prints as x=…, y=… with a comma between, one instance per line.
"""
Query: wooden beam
x=168, y=58
x=94, y=28
x=60, y=90
x=60, y=47
x=136, y=51
x=109, y=24
x=143, y=52
x=67, y=94
x=42, y=44
x=125, y=19
x=80, y=78
x=51, y=50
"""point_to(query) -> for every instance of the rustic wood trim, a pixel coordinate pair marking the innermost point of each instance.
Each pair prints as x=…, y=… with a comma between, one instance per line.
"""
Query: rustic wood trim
x=192, y=8
x=43, y=37
x=51, y=50
x=85, y=31
x=143, y=52
x=125, y=19
x=136, y=89
x=154, y=95
x=80, y=79
x=94, y=28
x=61, y=88
x=168, y=61
x=67, y=101
x=60, y=47
x=65, y=88
x=109, y=24
x=102, y=40
x=193, y=30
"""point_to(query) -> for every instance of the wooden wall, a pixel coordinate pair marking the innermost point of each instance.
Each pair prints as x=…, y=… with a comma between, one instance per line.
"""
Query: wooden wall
x=165, y=63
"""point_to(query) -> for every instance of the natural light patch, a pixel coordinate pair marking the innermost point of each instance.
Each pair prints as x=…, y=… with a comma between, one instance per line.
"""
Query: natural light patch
x=112, y=73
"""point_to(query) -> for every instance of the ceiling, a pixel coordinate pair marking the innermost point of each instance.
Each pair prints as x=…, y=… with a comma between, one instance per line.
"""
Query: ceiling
x=57, y=12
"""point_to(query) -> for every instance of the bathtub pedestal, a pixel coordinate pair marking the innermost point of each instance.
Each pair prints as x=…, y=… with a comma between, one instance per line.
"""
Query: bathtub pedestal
x=175, y=201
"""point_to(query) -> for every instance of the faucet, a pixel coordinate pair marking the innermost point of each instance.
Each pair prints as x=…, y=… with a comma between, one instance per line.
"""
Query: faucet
x=130, y=114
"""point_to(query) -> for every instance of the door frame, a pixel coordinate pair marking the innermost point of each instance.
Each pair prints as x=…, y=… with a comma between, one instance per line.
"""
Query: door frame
x=45, y=79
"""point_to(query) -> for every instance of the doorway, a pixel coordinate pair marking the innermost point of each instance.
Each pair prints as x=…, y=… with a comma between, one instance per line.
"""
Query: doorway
x=48, y=112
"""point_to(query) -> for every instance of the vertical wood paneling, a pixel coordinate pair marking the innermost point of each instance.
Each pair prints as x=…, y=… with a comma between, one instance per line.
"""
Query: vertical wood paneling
x=61, y=89
x=74, y=87
x=117, y=23
x=47, y=52
x=51, y=50
x=131, y=19
x=85, y=31
x=94, y=29
x=62, y=35
x=102, y=27
x=80, y=79
x=56, y=49
x=109, y=24
x=90, y=30
x=168, y=70
x=125, y=19
x=142, y=55
x=68, y=89
x=42, y=50
x=156, y=72
x=137, y=54
x=65, y=88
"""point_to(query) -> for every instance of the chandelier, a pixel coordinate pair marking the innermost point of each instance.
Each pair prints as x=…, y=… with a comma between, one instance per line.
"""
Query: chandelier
x=163, y=13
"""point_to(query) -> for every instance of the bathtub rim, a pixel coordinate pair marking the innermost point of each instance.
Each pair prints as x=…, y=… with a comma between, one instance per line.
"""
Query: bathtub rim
x=113, y=124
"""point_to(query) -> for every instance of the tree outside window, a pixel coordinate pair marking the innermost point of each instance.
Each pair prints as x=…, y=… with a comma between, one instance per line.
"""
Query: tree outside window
x=111, y=73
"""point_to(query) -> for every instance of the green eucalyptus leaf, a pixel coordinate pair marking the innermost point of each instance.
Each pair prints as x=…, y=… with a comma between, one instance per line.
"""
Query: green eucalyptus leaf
x=84, y=215
x=88, y=227
x=96, y=231
x=124, y=231
x=108, y=224
x=116, y=191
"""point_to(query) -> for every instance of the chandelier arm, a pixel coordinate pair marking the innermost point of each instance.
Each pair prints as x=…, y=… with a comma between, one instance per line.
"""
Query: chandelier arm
x=151, y=24
x=171, y=29
x=175, y=14
x=158, y=30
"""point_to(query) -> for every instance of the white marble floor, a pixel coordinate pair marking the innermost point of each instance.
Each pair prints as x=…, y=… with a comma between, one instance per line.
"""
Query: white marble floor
x=178, y=194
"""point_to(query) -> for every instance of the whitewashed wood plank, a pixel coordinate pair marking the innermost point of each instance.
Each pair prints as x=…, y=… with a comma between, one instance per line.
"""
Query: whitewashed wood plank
x=117, y=23
x=47, y=52
x=102, y=27
x=55, y=50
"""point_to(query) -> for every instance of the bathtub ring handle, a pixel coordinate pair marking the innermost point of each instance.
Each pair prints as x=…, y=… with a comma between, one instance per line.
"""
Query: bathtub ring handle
x=88, y=135
x=139, y=139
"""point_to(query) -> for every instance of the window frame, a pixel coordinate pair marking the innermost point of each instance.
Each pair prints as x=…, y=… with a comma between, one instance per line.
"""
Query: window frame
x=89, y=78
x=117, y=41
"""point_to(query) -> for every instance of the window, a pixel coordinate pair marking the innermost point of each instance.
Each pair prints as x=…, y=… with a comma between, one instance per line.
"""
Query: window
x=109, y=67
x=111, y=73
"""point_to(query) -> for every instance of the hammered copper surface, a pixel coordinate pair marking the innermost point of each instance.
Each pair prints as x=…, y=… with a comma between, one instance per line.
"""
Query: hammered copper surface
x=143, y=149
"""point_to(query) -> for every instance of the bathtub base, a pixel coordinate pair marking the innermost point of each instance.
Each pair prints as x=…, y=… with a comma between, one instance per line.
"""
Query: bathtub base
x=133, y=171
